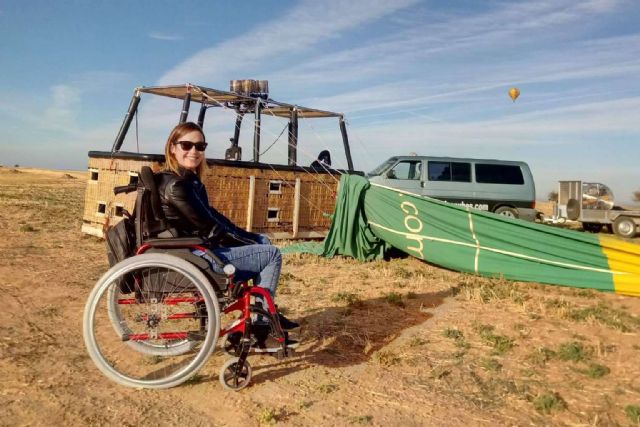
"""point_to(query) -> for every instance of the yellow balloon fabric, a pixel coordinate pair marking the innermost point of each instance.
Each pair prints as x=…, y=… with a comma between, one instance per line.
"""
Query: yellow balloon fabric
x=514, y=92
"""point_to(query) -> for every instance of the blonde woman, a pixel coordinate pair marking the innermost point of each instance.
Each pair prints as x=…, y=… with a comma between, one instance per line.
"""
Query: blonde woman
x=186, y=207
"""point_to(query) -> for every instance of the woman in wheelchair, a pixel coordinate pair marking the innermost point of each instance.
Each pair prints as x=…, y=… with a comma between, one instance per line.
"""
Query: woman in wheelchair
x=185, y=204
x=173, y=278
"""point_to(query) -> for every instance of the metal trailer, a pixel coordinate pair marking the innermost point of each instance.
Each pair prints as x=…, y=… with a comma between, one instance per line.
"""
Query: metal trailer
x=592, y=205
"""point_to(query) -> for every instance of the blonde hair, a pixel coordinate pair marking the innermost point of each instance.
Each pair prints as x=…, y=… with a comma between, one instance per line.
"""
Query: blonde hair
x=171, y=163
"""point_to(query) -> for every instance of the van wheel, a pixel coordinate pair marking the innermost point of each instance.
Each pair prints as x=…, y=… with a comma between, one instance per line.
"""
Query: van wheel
x=624, y=226
x=507, y=211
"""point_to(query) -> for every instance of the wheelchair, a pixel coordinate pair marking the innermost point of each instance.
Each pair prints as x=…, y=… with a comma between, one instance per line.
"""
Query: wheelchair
x=154, y=318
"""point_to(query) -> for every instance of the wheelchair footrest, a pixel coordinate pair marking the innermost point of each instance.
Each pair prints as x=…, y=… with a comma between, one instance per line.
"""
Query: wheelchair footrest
x=274, y=349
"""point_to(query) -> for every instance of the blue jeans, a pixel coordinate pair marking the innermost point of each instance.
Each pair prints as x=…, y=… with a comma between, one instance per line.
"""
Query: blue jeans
x=262, y=263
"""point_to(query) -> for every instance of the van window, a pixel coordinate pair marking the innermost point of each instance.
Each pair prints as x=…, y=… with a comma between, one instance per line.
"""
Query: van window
x=498, y=174
x=378, y=170
x=449, y=171
x=406, y=169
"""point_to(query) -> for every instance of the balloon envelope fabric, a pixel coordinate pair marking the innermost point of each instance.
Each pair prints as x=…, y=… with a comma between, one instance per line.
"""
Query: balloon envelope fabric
x=371, y=217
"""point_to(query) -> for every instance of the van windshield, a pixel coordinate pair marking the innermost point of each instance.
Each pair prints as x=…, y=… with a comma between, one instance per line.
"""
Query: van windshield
x=378, y=170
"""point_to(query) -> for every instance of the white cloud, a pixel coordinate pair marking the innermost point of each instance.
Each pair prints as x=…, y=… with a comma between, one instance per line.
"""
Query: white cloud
x=166, y=37
x=301, y=28
x=91, y=82
x=480, y=40
x=62, y=110
x=552, y=126
x=57, y=138
x=294, y=33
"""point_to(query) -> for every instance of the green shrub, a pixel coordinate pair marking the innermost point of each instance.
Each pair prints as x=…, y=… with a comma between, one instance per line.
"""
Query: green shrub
x=500, y=343
x=549, y=402
x=361, y=419
x=27, y=228
x=490, y=364
x=394, y=298
x=615, y=319
x=633, y=413
x=268, y=416
x=452, y=333
x=573, y=351
x=541, y=356
x=348, y=298
x=327, y=388
x=386, y=358
x=597, y=371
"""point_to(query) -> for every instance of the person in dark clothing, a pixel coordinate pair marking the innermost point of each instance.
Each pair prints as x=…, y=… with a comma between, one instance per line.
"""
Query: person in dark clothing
x=186, y=207
x=323, y=163
x=185, y=204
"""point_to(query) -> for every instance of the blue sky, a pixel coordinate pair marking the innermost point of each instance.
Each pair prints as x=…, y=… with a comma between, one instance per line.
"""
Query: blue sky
x=430, y=77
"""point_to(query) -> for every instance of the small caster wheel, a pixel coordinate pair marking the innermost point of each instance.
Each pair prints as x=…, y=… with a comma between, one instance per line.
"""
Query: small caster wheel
x=232, y=380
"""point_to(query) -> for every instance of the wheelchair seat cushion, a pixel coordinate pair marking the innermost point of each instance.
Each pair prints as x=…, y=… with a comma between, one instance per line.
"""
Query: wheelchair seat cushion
x=175, y=242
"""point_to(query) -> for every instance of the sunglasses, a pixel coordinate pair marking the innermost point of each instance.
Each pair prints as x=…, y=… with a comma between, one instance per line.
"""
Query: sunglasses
x=188, y=145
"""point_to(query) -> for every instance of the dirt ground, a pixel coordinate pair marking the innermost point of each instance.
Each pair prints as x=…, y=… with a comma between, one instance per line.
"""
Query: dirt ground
x=397, y=342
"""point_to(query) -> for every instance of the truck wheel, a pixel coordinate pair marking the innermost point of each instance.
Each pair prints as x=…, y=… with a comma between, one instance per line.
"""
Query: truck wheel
x=624, y=226
x=507, y=211
x=592, y=227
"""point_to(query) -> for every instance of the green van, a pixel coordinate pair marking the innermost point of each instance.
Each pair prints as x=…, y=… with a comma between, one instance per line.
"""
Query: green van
x=503, y=187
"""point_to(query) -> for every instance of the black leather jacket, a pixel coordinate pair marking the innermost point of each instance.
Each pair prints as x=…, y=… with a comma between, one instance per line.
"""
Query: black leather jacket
x=186, y=207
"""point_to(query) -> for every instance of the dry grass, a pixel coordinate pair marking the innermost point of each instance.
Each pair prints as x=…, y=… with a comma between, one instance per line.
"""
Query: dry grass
x=397, y=342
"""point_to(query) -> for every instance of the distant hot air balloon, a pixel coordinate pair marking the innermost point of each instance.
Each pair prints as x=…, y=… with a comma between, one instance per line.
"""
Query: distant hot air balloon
x=514, y=93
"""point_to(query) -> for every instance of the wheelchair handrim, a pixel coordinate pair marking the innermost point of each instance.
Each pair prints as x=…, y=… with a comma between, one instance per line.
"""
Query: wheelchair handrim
x=164, y=261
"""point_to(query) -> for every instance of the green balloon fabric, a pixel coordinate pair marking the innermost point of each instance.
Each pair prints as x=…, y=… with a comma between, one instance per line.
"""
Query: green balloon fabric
x=370, y=218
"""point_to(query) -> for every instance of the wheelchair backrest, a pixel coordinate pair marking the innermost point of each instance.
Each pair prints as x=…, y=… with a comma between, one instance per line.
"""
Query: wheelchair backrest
x=149, y=216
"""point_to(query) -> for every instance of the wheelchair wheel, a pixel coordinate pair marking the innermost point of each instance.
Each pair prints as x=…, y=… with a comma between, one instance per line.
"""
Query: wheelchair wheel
x=121, y=324
x=159, y=335
x=232, y=380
